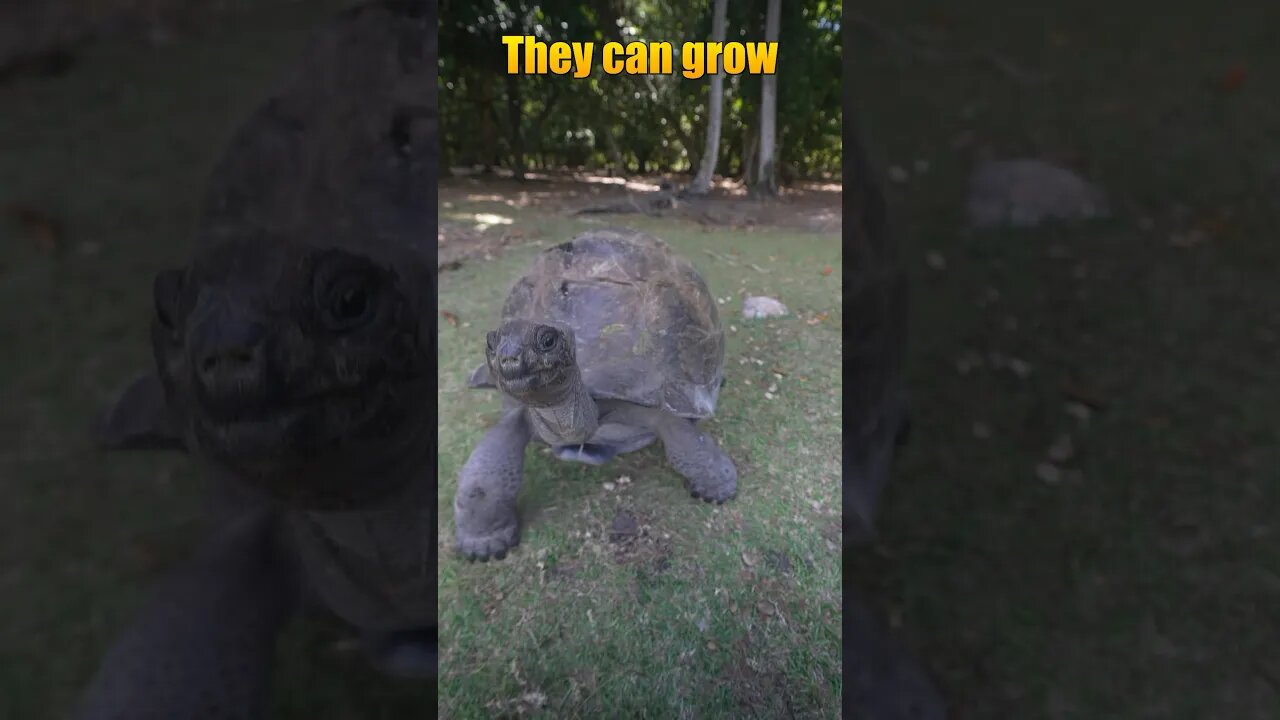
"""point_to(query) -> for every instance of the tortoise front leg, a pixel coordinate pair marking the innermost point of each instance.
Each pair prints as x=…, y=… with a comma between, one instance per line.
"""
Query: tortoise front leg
x=203, y=646
x=484, y=510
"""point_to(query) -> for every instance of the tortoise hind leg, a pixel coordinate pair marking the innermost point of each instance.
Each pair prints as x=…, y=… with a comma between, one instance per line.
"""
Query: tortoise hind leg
x=203, y=646
x=708, y=470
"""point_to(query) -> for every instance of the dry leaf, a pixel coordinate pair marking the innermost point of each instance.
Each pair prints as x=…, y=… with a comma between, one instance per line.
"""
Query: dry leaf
x=43, y=229
x=826, y=270
x=453, y=319
x=1234, y=78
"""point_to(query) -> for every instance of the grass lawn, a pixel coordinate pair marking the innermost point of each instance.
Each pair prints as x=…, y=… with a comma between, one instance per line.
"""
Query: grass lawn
x=1145, y=583
x=729, y=611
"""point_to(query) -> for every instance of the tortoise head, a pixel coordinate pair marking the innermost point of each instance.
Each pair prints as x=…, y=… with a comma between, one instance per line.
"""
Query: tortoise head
x=303, y=370
x=535, y=363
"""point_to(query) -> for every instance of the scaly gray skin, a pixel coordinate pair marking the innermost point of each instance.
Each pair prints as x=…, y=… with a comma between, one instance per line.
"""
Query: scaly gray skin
x=203, y=645
x=534, y=364
x=295, y=355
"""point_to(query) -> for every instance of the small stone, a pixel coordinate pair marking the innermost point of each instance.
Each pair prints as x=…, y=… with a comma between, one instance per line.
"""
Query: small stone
x=746, y=381
x=1027, y=192
x=733, y=328
x=981, y=430
x=1019, y=367
x=608, y=486
x=768, y=396
x=1049, y=473
x=897, y=174
x=1010, y=323
x=759, y=306
x=920, y=166
x=935, y=260
x=773, y=388
x=623, y=480
x=1062, y=449
x=1079, y=411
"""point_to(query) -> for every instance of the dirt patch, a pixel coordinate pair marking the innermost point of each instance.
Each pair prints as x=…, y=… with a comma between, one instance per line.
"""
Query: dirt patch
x=633, y=542
x=811, y=206
x=758, y=690
x=458, y=242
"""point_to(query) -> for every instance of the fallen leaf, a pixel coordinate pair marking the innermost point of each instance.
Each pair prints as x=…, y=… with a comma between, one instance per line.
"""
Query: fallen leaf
x=817, y=318
x=43, y=229
x=1234, y=78
x=826, y=270
x=453, y=319
x=1083, y=395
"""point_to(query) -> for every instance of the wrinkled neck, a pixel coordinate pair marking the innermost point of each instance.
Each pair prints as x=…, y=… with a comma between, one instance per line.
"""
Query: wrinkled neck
x=571, y=418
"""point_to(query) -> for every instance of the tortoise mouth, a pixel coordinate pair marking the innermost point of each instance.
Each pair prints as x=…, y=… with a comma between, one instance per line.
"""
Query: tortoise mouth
x=525, y=380
x=310, y=425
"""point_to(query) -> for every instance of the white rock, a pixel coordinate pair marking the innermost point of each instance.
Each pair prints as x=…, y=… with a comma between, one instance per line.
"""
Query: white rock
x=1079, y=411
x=759, y=306
x=1049, y=473
x=1026, y=192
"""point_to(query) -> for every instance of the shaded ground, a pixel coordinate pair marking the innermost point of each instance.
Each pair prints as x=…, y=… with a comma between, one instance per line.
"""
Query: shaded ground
x=489, y=199
x=1142, y=580
x=627, y=598
x=101, y=170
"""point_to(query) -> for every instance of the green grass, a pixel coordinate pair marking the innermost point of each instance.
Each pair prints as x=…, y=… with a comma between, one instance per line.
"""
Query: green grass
x=118, y=151
x=729, y=611
x=1146, y=586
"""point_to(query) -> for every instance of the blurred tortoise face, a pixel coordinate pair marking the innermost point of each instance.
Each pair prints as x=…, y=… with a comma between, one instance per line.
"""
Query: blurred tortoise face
x=531, y=362
x=300, y=370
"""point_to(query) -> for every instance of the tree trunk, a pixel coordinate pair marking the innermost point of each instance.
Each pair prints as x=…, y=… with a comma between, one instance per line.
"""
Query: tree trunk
x=702, y=181
x=517, y=119
x=766, y=180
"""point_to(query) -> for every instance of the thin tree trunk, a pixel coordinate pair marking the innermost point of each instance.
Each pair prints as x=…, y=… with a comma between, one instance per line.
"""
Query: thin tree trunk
x=707, y=168
x=766, y=180
x=516, y=112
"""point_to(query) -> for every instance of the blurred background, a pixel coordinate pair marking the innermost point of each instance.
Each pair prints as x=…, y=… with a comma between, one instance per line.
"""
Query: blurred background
x=1087, y=197
x=111, y=117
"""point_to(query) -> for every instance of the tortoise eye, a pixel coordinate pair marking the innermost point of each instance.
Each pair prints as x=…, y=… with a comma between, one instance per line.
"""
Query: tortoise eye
x=547, y=339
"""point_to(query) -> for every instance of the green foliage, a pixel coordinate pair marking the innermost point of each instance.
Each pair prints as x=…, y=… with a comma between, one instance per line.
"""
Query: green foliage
x=632, y=123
